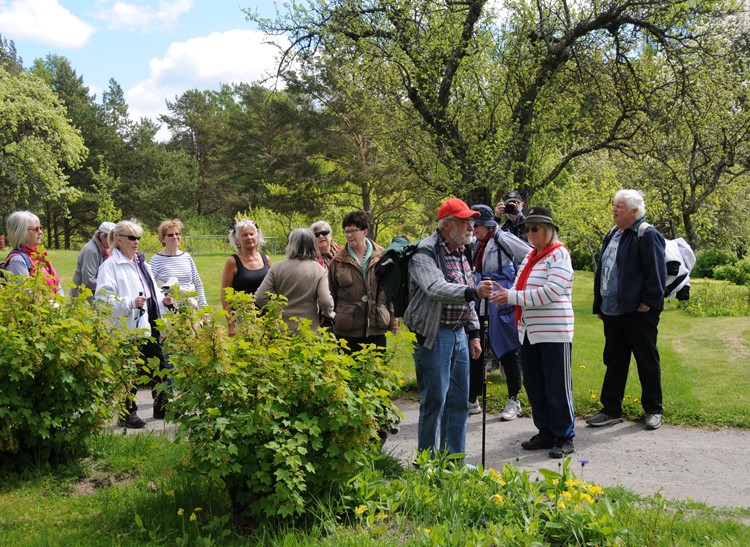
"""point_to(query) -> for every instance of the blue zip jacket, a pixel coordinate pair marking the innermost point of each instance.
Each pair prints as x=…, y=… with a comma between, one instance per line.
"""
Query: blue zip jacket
x=642, y=266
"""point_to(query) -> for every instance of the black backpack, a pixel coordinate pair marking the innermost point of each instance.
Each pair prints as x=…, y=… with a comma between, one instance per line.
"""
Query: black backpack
x=392, y=272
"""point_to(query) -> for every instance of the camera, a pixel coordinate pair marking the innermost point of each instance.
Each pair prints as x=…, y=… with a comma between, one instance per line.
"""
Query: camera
x=510, y=208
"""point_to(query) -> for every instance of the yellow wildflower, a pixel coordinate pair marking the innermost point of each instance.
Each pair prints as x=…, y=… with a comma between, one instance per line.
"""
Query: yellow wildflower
x=561, y=504
x=586, y=497
x=360, y=509
x=583, y=366
x=197, y=509
x=555, y=482
x=497, y=498
x=567, y=495
x=169, y=492
x=595, y=489
x=193, y=517
x=180, y=512
x=593, y=396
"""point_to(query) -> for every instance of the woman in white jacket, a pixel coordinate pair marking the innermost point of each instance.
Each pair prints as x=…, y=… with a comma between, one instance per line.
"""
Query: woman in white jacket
x=126, y=283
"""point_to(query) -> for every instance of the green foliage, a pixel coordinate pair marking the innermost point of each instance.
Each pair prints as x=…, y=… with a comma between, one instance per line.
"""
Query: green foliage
x=63, y=367
x=719, y=299
x=447, y=498
x=706, y=261
x=738, y=273
x=37, y=142
x=278, y=418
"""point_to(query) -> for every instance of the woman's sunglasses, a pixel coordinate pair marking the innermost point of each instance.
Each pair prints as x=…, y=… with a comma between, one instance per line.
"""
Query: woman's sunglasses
x=535, y=229
x=322, y=233
x=131, y=238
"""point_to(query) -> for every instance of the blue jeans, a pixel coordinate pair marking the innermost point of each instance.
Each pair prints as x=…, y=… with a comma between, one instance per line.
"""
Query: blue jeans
x=443, y=379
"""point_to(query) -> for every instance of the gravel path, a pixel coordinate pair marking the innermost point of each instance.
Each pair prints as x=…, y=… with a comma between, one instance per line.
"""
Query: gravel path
x=683, y=463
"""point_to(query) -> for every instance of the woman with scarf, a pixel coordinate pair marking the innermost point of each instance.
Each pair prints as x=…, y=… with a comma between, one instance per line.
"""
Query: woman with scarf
x=126, y=283
x=326, y=245
x=544, y=318
x=24, y=231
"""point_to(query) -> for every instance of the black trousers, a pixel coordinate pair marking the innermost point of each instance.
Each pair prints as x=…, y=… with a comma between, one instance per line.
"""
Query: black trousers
x=511, y=368
x=625, y=335
x=356, y=343
x=151, y=348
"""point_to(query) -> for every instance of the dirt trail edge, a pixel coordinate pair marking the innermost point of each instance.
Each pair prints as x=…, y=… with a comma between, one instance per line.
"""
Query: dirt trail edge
x=681, y=463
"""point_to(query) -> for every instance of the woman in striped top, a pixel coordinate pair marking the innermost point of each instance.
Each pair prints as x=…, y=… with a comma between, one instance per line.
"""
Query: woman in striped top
x=172, y=262
x=544, y=316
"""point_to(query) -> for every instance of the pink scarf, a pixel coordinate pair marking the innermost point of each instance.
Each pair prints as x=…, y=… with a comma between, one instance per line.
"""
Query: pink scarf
x=40, y=263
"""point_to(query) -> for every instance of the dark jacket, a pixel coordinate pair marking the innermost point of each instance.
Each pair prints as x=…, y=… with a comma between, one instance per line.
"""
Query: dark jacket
x=354, y=317
x=642, y=267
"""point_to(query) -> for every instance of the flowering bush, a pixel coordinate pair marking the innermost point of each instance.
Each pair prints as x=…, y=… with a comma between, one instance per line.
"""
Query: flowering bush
x=63, y=366
x=279, y=418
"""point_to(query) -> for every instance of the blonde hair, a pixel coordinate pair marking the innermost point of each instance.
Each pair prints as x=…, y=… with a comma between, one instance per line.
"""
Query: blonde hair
x=124, y=225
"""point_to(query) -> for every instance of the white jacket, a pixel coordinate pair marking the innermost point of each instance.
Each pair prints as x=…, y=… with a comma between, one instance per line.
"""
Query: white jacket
x=118, y=284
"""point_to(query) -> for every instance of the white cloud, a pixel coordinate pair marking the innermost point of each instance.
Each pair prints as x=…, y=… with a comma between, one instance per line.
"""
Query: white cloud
x=202, y=63
x=137, y=17
x=43, y=21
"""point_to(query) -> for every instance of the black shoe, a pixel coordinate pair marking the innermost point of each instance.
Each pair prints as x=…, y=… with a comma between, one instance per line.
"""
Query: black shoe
x=562, y=447
x=538, y=442
x=133, y=421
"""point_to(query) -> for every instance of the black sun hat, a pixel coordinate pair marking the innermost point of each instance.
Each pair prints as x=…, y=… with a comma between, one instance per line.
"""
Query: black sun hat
x=539, y=215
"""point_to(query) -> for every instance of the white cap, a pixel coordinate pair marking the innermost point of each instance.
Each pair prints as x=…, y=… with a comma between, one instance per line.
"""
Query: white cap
x=106, y=227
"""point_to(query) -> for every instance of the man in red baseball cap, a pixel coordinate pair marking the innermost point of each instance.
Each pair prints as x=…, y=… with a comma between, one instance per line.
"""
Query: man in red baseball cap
x=441, y=314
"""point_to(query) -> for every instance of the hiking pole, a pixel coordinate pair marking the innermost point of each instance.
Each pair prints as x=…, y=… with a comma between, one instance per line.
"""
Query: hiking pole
x=484, y=314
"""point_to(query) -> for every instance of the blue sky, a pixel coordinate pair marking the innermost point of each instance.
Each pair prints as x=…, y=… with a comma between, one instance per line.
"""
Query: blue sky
x=155, y=49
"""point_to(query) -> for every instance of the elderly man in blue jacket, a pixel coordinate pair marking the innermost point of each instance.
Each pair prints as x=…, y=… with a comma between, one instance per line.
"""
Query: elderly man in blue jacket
x=629, y=297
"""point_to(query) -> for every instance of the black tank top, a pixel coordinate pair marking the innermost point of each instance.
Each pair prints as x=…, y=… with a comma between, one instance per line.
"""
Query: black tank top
x=249, y=280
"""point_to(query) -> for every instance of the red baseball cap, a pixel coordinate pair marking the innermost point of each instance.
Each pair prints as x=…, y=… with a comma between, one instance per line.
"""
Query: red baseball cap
x=456, y=208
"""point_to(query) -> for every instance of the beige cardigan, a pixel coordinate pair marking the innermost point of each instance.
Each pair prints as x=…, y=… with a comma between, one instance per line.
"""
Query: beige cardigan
x=305, y=285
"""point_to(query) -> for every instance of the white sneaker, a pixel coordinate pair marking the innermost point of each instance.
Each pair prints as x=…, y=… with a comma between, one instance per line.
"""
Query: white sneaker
x=474, y=407
x=511, y=411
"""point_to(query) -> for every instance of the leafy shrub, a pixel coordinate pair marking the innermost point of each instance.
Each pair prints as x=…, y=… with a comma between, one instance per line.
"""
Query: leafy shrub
x=706, y=261
x=63, y=365
x=738, y=273
x=718, y=300
x=278, y=418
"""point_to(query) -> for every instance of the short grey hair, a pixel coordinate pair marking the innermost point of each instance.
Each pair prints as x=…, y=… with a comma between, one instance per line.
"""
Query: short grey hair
x=319, y=226
x=16, y=226
x=633, y=200
x=302, y=245
x=242, y=225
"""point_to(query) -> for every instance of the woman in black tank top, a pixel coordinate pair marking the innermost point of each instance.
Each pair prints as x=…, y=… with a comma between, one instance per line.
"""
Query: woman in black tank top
x=245, y=270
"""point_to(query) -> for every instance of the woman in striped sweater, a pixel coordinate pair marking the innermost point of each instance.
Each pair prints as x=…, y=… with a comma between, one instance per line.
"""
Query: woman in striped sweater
x=172, y=262
x=544, y=316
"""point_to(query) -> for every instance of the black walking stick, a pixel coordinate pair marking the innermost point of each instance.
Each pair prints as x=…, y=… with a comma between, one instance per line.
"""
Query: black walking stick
x=484, y=327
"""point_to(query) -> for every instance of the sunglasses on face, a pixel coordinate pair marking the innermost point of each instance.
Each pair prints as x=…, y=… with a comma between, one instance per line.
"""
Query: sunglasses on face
x=131, y=238
x=177, y=234
x=322, y=233
x=535, y=229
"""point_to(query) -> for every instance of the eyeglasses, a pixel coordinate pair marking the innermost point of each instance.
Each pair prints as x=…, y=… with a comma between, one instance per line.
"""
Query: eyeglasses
x=322, y=233
x=535, y=229
x=35, y=229
x=176, y=234
x=131, y=238
x=466, y=222
x=352, y=232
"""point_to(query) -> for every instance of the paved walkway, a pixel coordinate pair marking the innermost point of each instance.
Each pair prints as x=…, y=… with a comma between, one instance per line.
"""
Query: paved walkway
x=706, y=466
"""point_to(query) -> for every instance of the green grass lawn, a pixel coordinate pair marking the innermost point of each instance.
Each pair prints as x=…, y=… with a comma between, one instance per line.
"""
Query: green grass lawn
x=703, y=359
